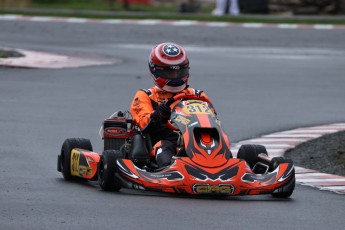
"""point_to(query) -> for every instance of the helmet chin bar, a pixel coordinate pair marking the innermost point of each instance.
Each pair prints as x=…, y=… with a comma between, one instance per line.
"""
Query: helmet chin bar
x=175, y=89
x=170, y=89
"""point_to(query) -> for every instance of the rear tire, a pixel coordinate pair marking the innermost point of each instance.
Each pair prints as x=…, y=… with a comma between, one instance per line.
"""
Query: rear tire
x=64, y=160
x=107, y=169
x=250, y=153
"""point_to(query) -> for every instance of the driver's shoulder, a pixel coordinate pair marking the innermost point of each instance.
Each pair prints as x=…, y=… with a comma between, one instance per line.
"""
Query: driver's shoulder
x=193, y=91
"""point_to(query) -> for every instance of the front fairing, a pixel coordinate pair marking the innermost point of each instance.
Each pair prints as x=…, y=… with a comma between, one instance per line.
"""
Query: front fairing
x=193, y=118
x=186, y=177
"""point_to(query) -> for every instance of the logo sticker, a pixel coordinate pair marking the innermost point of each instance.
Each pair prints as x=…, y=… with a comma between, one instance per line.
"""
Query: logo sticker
x=115, y=131
x=207, y=189
x=171, y=50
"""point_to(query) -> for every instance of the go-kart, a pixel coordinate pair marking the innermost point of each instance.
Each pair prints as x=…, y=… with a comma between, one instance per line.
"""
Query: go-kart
x=203, y=165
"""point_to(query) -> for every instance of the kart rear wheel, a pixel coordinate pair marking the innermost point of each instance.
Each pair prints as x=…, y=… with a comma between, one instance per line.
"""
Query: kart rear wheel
x=107, y=169
x=250, y=153
x=64, y=160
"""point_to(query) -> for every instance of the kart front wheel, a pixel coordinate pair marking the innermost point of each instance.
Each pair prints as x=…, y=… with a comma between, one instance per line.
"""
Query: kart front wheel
x=64, y=159
x=287, y=189
x=250, y=153
x=107, y=170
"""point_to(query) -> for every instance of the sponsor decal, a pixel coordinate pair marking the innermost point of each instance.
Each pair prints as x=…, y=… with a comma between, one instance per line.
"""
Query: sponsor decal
x=175, y=67
x=115, y=131
x=209, y=189
x=75, y=156
x=85, y=170
x=78, y=169
x=182, y=120
x=171, y=50
x=170, y=176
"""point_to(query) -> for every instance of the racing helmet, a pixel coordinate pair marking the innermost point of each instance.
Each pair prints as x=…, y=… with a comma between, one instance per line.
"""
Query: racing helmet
x=169, y=67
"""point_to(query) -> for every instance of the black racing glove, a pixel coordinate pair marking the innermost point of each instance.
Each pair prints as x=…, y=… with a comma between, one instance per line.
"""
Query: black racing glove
x=161, y=113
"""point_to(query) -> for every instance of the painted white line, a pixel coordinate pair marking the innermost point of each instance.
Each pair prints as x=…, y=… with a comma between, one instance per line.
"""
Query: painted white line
x=320, y=180
x=307, y=175
x=149, y=22
x=112, y=21
x=252, y=25
x=285, y=146
x=218, y=24
x=333, y=188
x=287, y=26
x=41, y=19
x=275, y=140
x=11, y=17
x=305, y=131
x=283, y=135
x=184, y=23
x=76, y=20
x=339, y=125
x=323, y=27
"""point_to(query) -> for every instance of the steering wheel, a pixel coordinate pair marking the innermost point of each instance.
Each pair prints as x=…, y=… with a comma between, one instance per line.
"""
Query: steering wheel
x=179, y=97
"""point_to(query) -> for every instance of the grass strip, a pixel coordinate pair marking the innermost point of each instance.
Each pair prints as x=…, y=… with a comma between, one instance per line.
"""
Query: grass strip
x=3, y=54
x=175, y=16
x=10, y=54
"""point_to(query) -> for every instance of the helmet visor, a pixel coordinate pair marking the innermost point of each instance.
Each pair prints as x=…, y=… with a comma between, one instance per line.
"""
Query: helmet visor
x=171, y=73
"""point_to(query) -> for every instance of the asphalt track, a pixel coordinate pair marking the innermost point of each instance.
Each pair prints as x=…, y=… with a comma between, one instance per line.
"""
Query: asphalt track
x=261, y=81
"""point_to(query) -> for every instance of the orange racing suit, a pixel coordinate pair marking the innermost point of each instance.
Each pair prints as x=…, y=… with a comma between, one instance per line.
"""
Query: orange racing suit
x=144, y=104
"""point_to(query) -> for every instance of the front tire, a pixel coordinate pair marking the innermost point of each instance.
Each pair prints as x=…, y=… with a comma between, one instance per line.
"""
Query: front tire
x=250, y=153
x=107, y=169
x=64, y=160
x=286, y=190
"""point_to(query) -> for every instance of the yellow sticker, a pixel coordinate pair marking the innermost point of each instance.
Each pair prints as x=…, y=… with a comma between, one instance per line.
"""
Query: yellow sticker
x=224, y=189
x=75, y=156
x=182, y=120
x=83, y=170
x=196, y=108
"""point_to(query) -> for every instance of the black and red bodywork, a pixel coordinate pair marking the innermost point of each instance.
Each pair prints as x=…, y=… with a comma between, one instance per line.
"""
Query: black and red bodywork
x=206, y=166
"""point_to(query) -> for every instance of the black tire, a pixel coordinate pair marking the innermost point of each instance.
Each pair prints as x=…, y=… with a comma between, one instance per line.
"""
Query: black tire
x=65, y=155
x=279, y=160
x=107, y=169
x=286, y=190
x=250, y=153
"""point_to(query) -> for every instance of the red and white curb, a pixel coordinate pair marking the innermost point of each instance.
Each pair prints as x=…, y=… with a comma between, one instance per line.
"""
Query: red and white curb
x=33, y=59
x=278, y=143
x=153, y=22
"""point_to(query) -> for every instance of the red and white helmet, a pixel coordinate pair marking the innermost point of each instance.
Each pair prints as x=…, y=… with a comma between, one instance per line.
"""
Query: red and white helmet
x=169, y=66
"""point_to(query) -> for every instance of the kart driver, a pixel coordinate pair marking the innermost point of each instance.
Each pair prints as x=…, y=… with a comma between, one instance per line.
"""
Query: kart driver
x=169, y=67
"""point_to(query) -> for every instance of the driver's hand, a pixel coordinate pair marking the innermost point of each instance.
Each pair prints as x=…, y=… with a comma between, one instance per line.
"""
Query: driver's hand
x=162, y=112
